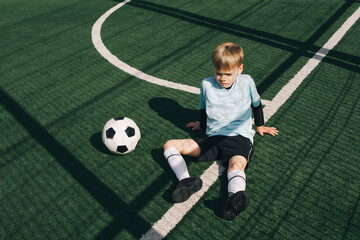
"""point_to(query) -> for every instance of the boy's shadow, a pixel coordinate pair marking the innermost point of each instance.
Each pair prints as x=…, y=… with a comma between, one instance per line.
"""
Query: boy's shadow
x=217, y=204
x=172, y=111
x=157, y=155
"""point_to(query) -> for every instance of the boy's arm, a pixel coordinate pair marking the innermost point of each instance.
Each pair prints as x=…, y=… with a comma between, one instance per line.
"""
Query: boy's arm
x=259, y=122
x=258, y=115
x=203, y=119
x=269, y=130
x=198, y=125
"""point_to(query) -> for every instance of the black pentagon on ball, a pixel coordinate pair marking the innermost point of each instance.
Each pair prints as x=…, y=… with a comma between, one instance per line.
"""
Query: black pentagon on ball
x=121, y=149
x=110, y=133
x=130, y=132
x=118, y=118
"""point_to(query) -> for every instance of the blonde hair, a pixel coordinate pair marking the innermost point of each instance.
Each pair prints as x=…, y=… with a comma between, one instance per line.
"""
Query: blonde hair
x=227, y=55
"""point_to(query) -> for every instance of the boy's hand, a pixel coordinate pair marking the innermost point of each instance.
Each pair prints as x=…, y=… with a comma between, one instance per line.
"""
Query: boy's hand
x=194, y=125
x=269, y=130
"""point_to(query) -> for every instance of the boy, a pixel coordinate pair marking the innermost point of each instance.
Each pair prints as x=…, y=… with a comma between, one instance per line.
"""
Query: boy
x=226, y=101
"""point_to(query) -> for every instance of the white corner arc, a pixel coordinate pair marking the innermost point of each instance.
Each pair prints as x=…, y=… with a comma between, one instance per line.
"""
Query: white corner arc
x=101, y=48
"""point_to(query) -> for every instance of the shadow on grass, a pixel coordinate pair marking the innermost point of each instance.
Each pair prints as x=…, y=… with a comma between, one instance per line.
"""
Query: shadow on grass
x=97, y=143
x=172, y=111
x=297, y=48
x=217, y=204
x=123, y=214
x=157, y=155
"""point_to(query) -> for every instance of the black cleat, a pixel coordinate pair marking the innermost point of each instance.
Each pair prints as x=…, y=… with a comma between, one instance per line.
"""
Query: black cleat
x=235, y=204
x=186, y=188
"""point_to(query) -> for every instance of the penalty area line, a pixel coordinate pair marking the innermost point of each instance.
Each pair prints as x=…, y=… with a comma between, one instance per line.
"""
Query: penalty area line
x=175, y=214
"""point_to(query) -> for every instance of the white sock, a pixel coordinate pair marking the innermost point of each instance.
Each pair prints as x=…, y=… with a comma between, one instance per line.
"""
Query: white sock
x=236, y=181
x=177, y=163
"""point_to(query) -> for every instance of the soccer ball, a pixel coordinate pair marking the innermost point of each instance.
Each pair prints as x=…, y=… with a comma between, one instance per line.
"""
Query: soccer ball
x=121, y=135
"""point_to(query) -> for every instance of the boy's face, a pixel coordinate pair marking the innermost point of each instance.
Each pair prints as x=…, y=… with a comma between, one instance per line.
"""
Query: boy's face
x=227, y=77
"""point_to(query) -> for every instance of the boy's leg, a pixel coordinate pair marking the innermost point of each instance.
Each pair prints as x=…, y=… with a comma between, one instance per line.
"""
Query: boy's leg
x=185, y=146
x=236, y=174
x=173, y=150
x=238, y=199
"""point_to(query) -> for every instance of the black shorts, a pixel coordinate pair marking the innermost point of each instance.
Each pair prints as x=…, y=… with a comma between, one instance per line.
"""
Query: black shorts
x=224, y=147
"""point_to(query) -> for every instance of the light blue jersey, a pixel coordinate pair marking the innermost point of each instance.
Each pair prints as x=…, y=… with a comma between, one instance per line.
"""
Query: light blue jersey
x=229, y=110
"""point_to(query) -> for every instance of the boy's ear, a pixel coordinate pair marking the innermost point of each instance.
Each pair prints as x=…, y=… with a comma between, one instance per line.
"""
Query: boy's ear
x=241, y=67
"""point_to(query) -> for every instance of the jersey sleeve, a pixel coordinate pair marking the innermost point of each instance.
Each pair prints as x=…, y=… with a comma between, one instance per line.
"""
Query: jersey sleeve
x=256, y=105
x=258, y=115
x=202, y=97
x=255, y=97
x=203, y=117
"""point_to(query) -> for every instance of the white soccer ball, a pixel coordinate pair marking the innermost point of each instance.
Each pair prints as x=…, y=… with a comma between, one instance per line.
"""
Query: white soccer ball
x=121, y=135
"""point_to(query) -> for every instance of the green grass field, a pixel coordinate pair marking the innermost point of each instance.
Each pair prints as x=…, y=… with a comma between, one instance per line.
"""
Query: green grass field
x=57, y=179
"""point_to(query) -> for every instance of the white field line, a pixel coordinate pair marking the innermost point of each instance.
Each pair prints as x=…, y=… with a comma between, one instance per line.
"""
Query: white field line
x=283, y=95
x=99, y=45
x=174, y=215
x=102, y=49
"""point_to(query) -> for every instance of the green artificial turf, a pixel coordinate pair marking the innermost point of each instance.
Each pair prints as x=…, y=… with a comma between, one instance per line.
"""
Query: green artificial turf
x=57, y=179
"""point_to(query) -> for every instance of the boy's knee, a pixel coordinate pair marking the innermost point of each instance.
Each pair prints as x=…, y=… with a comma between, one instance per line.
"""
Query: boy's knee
x=169, y=144
x=184, y=146
x=237, y=162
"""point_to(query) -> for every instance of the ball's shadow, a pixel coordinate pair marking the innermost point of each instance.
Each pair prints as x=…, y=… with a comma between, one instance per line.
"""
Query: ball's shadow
x=97, y=143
